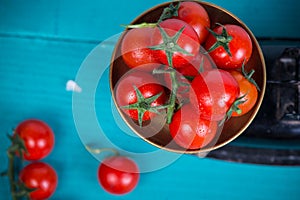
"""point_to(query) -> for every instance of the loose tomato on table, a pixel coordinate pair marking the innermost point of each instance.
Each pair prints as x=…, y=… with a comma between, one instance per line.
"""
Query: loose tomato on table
x=41, y=177
x=38, y=138
x=195, y=15
x=135, y=49
x=175, y=42
x=189, y=130
x=229, y=46
x=138, y=94
x=118, y=175
x=213, y=93
x=248, y=92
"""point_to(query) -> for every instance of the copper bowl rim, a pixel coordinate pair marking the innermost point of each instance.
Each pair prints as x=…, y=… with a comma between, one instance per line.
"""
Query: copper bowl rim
x=255, y=110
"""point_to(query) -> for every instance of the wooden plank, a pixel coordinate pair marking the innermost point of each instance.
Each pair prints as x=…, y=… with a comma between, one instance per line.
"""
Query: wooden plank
x=98, y=20
x=33, y=73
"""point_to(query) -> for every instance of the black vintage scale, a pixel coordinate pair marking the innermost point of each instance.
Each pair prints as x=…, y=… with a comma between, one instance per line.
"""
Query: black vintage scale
x=273, y=138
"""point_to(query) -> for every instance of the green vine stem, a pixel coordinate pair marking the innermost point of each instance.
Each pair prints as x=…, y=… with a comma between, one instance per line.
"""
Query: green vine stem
x=14, y=151
x=11, y=175
x=172, y=100
x=97, y=150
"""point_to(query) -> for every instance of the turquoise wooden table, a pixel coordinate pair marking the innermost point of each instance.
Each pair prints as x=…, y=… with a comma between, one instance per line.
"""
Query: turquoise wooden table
x=44, y=44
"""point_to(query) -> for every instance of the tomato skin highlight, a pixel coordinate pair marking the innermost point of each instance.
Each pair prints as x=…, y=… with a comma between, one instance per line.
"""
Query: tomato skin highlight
x=188, y=41
x=41, y=176
x=240, y=47
x=189, y=130
x=213, y=92
x=118, y=175
x=195, y=15
x=147, y=84
x=248, y=90
x=38, y=138
x=135, y=47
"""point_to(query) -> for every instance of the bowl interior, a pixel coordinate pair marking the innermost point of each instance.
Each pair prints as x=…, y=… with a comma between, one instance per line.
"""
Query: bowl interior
x=234, y=126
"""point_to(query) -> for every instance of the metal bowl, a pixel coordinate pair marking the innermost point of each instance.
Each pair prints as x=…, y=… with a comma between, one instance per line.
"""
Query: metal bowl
x=234, y=126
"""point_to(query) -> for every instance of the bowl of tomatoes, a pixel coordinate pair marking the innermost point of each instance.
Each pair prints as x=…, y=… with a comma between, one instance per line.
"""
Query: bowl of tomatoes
x=188, y=76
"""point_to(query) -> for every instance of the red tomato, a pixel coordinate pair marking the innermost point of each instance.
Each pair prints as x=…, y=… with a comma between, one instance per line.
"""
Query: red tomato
x=189, y=130
x=126, y=94
x=199, y=63
x=195, y=15
x=38, y=138
x=187, y=41
x=134, y=47
x=213, y=92
x=248, y=90
x=39, y=176
x=118, y=175
x=240, y=47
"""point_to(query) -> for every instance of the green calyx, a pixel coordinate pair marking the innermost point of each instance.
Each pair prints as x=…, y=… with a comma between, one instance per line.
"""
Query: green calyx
x=143, y=105
x=168, y=12
x=170, y=45
x=233, y=108
x=17, y=146
x=222, y=40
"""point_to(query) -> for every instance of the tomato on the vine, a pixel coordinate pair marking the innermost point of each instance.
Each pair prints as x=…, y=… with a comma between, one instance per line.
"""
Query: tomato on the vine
x=38, y=138
x=138, y=94
x=135, y=49
x=213, y=93
x=229, y=46
x=191, y=131
x=41, y=177
x=175, y=42
x=201, y=62
x=118, y=175
x=247, y=90
x=195, y=15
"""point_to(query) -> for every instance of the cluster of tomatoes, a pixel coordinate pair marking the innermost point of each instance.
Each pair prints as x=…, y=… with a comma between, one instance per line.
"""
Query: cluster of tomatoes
x=33, y=140
x=188, y=67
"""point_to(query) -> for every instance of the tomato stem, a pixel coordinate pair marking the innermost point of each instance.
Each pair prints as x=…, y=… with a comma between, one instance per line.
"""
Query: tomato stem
x=233, y=108
x=249, y=75
x=141, y=25
x=101, y=150
x=11, y=174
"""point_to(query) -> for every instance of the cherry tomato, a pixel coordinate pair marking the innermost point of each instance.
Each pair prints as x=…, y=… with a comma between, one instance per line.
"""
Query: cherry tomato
x=126, y=93
x=38, y=138
x=199, y=63
x=195, y=15
x=213, y=92
x=134, y=47
x=118, y=175
x=248, y=90
x=187, y=42
x=189, y=130
x=240, y=47
x=39, y=176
